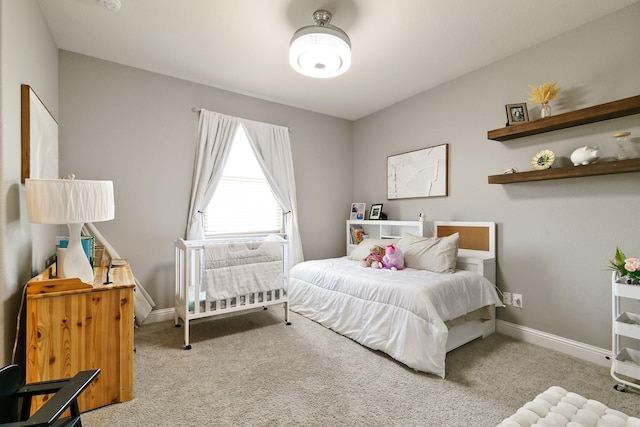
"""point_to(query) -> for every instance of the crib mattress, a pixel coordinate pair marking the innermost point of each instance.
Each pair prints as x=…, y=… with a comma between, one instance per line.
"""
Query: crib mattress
x=557, y=407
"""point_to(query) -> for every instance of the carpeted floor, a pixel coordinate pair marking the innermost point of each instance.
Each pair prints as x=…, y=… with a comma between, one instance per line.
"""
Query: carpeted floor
x=252, y=370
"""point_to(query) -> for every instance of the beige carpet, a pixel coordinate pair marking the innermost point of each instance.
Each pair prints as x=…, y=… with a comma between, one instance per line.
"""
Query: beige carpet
x=252, y=370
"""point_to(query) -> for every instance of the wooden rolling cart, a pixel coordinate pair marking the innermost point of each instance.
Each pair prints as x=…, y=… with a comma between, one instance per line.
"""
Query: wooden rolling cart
x=73, y=326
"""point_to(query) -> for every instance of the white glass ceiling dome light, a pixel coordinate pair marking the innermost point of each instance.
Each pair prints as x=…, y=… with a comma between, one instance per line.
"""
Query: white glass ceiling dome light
x=72, y=202
x=321, y=50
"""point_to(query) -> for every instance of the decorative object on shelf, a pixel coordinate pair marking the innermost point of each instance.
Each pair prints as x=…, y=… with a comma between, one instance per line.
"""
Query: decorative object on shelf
x=542, y=95
x=419, y=173
x=72, y=202
x=357, y=210
x=321, y=50
x=543, y=160
x=516, y=113
x=622, y=139
x=628, y=268
x=585, y=155
x=510, y=170
x=376, y=211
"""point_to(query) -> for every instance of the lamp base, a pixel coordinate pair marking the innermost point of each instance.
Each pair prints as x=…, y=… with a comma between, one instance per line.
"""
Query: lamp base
x=75, y=262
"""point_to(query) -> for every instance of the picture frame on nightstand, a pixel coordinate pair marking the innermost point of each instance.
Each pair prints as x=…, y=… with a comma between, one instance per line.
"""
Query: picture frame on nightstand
x=357, y=210
x=376, y=211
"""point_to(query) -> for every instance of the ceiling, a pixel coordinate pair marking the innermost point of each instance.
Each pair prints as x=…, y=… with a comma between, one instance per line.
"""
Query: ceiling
x=399, y=48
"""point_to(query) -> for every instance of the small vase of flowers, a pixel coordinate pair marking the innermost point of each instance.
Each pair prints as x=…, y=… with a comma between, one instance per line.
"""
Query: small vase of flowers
x=542, y=95
x=628, y=268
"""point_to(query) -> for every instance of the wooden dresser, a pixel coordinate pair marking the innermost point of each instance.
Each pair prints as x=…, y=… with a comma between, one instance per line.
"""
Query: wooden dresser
x=72, y=326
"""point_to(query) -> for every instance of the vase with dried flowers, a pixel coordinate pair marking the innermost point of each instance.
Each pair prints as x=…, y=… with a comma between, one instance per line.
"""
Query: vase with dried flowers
x=628, y=268
x=542, y=95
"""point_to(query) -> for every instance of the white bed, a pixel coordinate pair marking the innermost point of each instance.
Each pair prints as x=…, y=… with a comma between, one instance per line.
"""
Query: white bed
x=414, y=315
x=214, y=277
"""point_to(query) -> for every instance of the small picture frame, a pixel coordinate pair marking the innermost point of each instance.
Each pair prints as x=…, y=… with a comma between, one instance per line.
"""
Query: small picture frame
x=357, y=211
x=376, y=211
x=517, y=113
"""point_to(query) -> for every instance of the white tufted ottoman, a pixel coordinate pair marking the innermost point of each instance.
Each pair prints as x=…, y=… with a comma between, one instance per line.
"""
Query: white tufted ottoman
x=557, y=407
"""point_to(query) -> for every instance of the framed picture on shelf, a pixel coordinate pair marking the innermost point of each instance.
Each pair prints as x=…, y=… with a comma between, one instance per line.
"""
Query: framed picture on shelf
x=357, y=210
x=517, y=113
x=376, y=210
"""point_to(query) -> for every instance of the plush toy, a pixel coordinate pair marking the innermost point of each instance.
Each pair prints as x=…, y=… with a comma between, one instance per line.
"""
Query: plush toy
x=374, y=259
x=393, y=259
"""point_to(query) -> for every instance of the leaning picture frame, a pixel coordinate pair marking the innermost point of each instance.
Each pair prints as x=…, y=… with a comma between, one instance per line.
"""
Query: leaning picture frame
x=376, y=211
x=517, y=113
x=357, y=211
x=39, y=137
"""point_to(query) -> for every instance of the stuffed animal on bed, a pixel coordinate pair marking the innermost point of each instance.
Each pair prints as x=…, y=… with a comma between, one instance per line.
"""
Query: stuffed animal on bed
x=393, y=259
x=374, y=259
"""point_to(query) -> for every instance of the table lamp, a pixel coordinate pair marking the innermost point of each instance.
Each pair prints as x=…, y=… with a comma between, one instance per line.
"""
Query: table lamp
x=72, y=202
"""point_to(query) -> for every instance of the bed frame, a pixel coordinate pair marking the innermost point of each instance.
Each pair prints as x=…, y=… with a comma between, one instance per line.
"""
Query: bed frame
x=189, y=267
x=476, y=252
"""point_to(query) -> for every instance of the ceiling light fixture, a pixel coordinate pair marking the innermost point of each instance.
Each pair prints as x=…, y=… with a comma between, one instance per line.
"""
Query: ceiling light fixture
x=321, y=50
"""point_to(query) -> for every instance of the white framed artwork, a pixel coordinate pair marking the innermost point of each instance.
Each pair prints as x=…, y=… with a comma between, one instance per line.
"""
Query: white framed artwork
x=419, y=173
x=39, y=137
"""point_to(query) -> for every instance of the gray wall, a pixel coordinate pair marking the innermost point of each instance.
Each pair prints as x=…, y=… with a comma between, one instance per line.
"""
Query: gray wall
x=137, y=129
x=554, y=237
x=28, y=55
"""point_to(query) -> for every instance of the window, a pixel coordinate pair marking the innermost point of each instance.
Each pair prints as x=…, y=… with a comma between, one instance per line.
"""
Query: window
x=243, y=202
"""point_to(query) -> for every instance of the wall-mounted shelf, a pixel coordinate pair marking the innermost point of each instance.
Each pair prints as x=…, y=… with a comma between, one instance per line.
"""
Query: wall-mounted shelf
x=604, y=168
x=611, y=110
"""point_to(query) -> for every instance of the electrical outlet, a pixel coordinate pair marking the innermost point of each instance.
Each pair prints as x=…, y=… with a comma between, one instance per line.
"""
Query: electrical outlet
x=506, y=298
x=517, y=300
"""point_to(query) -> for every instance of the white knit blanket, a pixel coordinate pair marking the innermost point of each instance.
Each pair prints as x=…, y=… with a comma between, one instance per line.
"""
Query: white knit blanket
x=558, y=407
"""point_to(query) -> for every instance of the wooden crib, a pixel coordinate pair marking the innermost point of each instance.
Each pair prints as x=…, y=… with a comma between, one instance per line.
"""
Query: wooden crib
x=215, y=277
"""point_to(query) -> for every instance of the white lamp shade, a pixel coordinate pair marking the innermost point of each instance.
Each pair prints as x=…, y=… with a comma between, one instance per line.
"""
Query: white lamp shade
x=320, y=52
x=69, y=201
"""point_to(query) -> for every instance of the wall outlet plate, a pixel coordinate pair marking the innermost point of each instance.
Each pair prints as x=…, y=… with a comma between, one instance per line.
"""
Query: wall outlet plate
x=506, y=298
x=516, y=300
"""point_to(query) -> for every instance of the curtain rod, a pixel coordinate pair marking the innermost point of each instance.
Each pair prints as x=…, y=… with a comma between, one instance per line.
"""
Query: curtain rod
x=198, y=109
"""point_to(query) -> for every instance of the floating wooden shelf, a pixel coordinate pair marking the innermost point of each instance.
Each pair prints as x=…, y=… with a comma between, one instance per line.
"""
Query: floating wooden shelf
x=611, y=110
x=604, y=168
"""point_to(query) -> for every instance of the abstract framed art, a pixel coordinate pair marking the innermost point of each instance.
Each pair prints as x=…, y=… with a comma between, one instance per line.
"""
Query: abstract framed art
x=419, y=173
x=39, y=137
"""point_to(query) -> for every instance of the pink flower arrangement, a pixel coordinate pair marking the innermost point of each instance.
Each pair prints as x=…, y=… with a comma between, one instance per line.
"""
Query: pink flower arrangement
x=627, y=267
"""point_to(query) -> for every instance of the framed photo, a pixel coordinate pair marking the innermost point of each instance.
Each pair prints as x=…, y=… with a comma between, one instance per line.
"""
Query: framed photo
x=375, y=212
x=517, y=113
x=420, y=173
x=357, y=210
x=39, y=137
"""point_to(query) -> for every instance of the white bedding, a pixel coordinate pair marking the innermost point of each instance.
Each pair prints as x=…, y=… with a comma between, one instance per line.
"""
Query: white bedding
x=240, y=268
x=401, y=313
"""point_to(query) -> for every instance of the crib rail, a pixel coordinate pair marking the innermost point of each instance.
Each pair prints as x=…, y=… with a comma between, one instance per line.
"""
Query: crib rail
x=191, y=301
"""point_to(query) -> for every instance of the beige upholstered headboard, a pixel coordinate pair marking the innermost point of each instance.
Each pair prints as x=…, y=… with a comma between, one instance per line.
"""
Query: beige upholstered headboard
x=477, y=239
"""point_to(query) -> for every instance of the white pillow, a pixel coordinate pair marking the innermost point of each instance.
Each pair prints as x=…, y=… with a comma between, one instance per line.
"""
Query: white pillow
x=363, y=249
x=437, y=254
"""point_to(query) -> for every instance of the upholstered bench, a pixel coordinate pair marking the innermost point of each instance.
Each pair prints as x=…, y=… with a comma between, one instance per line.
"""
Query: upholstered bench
x=558, y=407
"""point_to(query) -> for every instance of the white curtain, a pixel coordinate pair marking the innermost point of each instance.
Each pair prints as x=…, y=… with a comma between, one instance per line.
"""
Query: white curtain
x=215, y=134
x=272, y=148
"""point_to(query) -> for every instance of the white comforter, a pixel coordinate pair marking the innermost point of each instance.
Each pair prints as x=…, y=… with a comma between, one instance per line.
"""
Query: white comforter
x=401, y=313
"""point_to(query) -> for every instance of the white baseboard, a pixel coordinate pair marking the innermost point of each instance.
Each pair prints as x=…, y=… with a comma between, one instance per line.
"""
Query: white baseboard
x=577, y=349
x=160, y=315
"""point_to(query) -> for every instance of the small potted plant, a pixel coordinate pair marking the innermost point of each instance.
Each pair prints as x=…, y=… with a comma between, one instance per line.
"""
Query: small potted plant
x=627, y=268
